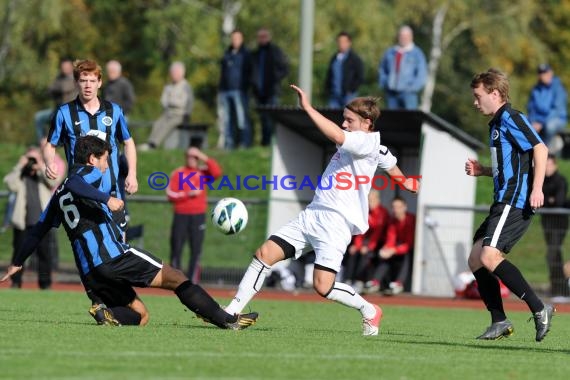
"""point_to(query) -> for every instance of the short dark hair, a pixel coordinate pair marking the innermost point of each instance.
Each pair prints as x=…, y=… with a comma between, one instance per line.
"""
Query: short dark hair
x=399, y=198
x=85, y=146
x=344, y=34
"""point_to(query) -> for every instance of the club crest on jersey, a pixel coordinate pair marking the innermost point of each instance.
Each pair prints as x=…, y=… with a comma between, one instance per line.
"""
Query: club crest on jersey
x=107, y=121
x=495, y=134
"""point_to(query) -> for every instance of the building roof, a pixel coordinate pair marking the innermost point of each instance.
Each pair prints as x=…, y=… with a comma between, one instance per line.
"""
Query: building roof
x=400, y=128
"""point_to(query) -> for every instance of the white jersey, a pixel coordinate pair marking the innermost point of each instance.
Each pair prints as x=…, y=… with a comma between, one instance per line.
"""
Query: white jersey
x=360, y=155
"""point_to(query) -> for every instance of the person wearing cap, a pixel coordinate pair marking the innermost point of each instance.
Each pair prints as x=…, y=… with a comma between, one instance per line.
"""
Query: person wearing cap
x=547, y=108
x=187, y=193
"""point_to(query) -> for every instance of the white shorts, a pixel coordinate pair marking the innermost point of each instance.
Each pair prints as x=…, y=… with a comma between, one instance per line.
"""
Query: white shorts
x=324, y=231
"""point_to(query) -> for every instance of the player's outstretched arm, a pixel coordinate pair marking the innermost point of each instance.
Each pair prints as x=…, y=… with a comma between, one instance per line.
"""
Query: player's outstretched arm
x=412, y=184
x=327, y=127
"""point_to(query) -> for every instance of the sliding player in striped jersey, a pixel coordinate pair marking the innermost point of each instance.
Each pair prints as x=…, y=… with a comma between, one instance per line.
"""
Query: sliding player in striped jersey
x=106, y=264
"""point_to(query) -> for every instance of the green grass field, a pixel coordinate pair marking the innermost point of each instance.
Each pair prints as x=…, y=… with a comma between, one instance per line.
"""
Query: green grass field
x=48, y=335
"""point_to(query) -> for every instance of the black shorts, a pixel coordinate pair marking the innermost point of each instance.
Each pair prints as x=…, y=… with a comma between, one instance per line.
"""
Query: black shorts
x=113, y=281
x=504, y=226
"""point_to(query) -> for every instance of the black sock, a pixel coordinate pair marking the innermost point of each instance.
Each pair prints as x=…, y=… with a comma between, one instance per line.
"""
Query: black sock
x=197, y=300
x=490, y=292
x=95, y=299
x=514, y=280
x=126, y=316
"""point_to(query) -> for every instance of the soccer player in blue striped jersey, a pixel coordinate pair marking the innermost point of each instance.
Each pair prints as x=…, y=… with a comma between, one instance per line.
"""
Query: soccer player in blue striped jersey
x=518, y=158
x=88, y=114
x=108, y=265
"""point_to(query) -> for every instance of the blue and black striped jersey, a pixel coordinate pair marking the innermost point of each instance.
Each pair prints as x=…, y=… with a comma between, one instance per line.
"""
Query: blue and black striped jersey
x=511, y=140
x=71, y=120
x=95, y=238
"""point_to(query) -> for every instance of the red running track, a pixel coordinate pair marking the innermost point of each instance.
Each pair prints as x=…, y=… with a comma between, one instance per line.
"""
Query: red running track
x=310, y=296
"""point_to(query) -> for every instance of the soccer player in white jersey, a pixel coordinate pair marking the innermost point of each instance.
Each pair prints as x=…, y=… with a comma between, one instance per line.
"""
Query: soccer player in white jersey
x=329, y=221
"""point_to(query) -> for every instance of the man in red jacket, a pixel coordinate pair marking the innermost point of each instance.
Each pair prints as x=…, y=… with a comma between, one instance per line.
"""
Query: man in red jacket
x=395, y=255
x=364, y=247
x=190, y=204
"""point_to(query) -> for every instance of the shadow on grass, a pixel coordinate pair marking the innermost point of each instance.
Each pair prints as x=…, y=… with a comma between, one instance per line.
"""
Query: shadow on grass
x=485, y=346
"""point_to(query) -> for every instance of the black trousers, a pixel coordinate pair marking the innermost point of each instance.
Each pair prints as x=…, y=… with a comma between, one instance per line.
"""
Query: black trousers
x=44, y=257
x=358, y=266
x=187, y=227
x=555, y=228
x=396, y=268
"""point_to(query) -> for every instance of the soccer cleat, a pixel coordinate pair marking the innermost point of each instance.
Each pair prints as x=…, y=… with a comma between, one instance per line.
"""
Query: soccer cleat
x=542, y=321
x=243, y=321
x=103, y=315
x=370, y=326
x=498, y=330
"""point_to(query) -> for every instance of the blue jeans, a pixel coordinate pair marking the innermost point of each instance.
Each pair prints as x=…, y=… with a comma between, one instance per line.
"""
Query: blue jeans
x=339, y=101
x=266, y=119
x=551, y=128
x=401, y=100
x=234, y=114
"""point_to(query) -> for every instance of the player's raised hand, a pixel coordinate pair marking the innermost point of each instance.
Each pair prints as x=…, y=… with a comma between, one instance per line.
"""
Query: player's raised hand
x=303, y=100
x=473, y=167
x=12, y=270
x=115, y=204
x=412, y=185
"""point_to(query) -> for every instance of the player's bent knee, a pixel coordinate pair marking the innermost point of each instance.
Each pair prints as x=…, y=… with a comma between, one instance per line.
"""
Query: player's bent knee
x=270, y=253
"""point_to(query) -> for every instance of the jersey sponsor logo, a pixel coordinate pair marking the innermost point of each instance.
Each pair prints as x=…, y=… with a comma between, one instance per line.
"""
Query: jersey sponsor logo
x=78, y=122
x=107, y=121
x=495, y=134
x=123, y=225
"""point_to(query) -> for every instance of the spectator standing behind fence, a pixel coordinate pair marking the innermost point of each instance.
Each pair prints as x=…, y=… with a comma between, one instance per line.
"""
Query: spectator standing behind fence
x=403, y=72
x=118, y=89
x=269, y=68
x=547, y=108
x=190, y=203
x=33, y=192
x=344, y=74
x=363, y=250
x=235, y=77
x=177, y=101
x=555, y=226
x=393, y=269
x=62, y=90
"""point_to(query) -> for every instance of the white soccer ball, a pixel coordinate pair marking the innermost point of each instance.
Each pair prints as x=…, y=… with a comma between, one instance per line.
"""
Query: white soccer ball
x=230, y=216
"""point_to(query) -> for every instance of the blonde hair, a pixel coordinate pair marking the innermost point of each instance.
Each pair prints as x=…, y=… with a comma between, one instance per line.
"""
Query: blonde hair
x=366, y=108
x=492, y=80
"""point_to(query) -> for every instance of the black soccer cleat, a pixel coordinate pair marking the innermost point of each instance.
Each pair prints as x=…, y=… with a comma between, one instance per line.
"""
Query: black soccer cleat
x=103, y=315
x=243, y=321
x=498, y=330
x=542, y=321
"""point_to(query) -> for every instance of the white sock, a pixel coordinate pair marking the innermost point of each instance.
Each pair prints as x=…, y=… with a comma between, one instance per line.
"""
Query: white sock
x=309, y=269
x=345, y=294
x=250, y=284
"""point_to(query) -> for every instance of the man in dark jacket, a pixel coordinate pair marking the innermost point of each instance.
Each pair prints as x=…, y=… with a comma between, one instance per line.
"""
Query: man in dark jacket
x=269, y=68
x=235, y=76
x=118, y=88
x=345, y=73
x=555, y=226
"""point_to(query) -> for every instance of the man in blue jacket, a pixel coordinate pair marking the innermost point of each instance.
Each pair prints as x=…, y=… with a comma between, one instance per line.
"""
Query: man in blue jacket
x=403, y=72
x=547, y=105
